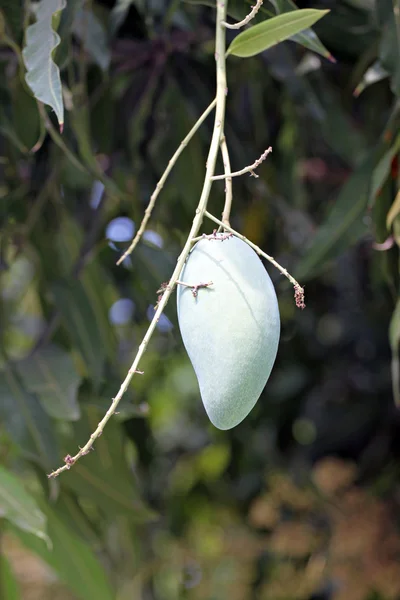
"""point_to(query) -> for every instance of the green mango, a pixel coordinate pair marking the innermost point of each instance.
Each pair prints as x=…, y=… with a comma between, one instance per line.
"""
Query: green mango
x=231, y=328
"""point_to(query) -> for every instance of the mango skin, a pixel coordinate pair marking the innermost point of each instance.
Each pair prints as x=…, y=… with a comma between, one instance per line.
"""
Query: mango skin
x=231, y=329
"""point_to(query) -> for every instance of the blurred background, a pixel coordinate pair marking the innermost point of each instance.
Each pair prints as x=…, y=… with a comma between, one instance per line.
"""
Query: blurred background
x=301, y=500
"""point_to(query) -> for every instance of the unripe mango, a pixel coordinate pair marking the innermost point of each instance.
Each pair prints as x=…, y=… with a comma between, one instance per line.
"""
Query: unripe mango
x=231, y=328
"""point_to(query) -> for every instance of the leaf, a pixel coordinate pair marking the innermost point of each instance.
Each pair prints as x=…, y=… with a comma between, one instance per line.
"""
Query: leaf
x=118, y=14
x=13, y=11
x=24, y=419
x=9, y=583
x=382, y=169
x=372, y=75
x=307, y=38
x=26, y=119
x=72, y=559
x=389, y=53
x=264, y=35
x=43, y=75
x=394, y=338
x=51, y=374
x=81, y=325
x=19, y=507
x=343, y=225
x=394, y=211
x=91, y=32
x=103, y=475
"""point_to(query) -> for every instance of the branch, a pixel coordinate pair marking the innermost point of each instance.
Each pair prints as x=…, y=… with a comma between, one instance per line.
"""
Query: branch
x=163, y=179
x=228, y=182
x=249, y=169
x=197, y=221
x=298, y=290
x=249, y=17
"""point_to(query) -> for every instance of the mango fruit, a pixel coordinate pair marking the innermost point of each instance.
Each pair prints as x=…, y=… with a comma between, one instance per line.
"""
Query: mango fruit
x=230, y=329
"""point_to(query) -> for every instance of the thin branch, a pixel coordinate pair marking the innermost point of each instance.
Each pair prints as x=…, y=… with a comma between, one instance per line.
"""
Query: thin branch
x=163, y=179
x=249, y=169
x=298, y=290
x=228, y=182
x=249, y=17
x=197, y=221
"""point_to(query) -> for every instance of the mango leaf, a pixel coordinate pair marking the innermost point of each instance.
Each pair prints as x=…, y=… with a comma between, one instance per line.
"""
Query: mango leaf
x=51, y=374
x=118, y=14
x=307, y=38
x=372, y=75
x=43, y=75
x=344, y=224
x=394, y=211
x=382, y=169
x=71, y=558
x=264, y=35
x=389, y=53
x=91, y=33
x=9, y=583
x=81, y=325
x=394, y=338
x=27, y=424
x=13, y=11
x=103, y=476
x=19, y=507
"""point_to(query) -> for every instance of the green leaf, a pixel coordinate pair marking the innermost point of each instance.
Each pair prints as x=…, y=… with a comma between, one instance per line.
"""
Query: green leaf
x=307, y=38
x=27, y=424
x=19, y=507
x=80, y=323
x=13, y=11
x=382, y=169
x=118, y=14
x=43, y=75
x=26, y=119
x=394, y=338
x=389, y=53
x=51, y=374
x=91, y=32
x=72, y=559
x=372, y=75
x=394, y=211
x=343, y=225
x=9, y=583
x=264, y=35
x=103, y=476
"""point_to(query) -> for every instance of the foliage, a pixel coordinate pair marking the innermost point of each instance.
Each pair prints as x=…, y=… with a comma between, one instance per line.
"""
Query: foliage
x=166, y=506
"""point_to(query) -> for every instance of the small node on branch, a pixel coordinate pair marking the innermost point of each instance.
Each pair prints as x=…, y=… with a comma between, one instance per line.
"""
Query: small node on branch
x=195, y=288
x=69, y=461
x=299, y=296
x=218, y=238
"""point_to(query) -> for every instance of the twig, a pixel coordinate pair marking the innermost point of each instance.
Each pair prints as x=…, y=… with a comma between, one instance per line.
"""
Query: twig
x=198, y=219
x=249, y=17
x=228, y=182
x=298, y=290
x=249, y=169
x=163, y=179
